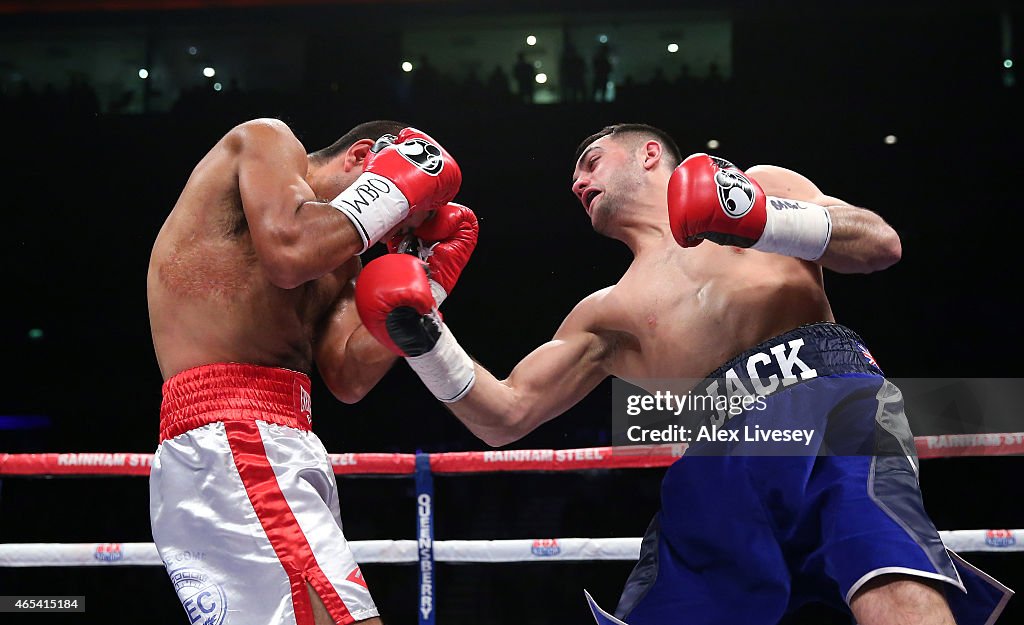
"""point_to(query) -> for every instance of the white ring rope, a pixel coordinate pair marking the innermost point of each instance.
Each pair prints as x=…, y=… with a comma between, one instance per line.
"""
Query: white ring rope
x=405, y=551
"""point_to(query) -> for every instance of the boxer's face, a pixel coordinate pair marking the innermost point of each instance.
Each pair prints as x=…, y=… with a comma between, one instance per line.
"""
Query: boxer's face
x=330, y=179
x=606, y=178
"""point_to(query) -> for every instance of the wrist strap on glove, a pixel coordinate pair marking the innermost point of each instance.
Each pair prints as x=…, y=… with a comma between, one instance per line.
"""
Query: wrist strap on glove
x=446, y=370
x=374, y=205
x=794, y=228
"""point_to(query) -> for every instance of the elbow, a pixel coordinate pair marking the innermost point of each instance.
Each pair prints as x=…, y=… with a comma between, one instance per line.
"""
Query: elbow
x=282, y=263
x=497, y=439
x=350, y=395
x=346, y=391
x=890, y=251
x=510, y=430
x=284, y=277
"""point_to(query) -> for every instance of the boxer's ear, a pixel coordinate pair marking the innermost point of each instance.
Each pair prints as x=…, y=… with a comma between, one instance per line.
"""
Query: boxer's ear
x=356, y=154
x=652, y=153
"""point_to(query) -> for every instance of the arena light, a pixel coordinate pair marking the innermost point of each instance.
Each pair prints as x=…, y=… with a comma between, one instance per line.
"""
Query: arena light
x=673, y=47
x=537, y=64
x=890, y=139
x=531, y=40
x=209, y=72
x=1008, y=63
x=541, y=78
x=143, y=73
x=602, y=38
x=713, y=144
x=192, y=50
x=406, y=66
x=217, y=86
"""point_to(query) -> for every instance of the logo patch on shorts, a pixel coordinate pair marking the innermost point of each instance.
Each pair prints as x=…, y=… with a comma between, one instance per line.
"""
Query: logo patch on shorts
x=303, y=401
x=203, y=600
x=735, y=192
x=422, y=154
x=867, y=355
x=356, y=577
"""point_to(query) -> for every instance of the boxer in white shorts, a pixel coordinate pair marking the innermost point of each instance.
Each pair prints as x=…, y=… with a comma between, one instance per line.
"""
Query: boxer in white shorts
x=243, y=501
x=250, y=284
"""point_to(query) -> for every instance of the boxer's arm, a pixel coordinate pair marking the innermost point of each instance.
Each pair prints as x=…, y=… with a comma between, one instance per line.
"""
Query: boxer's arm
x=546, y=383
x=349, y=359
x=296, y=238
x=861, y=241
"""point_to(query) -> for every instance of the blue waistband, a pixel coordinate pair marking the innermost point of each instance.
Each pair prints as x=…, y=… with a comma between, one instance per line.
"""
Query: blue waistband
x=812, y=350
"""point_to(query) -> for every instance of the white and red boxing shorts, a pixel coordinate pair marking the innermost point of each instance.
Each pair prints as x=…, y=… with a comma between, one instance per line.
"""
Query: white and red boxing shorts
x=244, y=504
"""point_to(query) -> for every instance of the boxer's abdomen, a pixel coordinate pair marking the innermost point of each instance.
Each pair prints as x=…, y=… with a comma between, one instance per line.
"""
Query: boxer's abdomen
x=210, y=301
x=702, y=306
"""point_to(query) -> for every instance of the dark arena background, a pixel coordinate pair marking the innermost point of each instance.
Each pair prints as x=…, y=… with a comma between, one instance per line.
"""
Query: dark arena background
x=910, y=109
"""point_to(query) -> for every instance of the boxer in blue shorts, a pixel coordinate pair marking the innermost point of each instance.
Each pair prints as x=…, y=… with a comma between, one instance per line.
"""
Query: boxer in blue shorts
x=756, y=529
x=747, y=532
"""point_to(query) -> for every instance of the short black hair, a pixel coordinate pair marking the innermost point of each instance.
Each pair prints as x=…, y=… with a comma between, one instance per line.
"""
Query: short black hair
x=645, y=130
x=366, y=130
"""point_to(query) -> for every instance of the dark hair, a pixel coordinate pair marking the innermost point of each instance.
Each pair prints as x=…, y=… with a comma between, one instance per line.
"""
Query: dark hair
x=367, y=130
x=643, y=130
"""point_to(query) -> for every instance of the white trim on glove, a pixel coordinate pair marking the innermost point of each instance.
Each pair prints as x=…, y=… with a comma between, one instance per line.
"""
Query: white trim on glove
x=374, y=204
x=447, y=370
x=794, y=228
x=439, y=293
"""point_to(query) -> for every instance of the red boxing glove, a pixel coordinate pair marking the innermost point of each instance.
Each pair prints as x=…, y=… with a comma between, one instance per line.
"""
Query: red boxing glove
x=445, y=242
x=393, y=299
x=410, y=172
x=709, y=198
x=421, y=169
x=396, y=306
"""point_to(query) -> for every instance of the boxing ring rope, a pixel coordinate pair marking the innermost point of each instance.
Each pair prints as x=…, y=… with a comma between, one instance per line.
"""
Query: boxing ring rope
x=632, y=457
x=462, y=551
x=425, y=550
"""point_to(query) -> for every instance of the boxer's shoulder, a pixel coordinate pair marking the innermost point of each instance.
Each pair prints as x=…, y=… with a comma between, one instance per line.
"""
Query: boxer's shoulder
x=591, y=308
x=263, y=128
x=263, y=136
x=602, y=313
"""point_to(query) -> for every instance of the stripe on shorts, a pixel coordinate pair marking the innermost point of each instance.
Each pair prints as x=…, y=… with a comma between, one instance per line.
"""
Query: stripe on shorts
x=280, y=524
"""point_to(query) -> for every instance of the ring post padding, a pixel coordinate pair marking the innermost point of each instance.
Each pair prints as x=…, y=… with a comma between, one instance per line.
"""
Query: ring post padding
x=425, y=537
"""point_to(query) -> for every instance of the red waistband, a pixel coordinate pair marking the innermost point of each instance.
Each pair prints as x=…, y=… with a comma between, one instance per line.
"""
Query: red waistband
x=232, y=392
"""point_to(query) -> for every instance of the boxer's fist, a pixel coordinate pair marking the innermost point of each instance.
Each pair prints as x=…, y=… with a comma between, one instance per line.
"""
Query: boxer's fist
x=422, y=170
x=709, y=198
x=445, y=242
x=402, y=174
x=396, y=306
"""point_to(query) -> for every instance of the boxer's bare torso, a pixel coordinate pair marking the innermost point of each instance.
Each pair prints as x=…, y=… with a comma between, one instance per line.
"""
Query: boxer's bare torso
x=680, y=313
x=677, y=312
x=210, y=299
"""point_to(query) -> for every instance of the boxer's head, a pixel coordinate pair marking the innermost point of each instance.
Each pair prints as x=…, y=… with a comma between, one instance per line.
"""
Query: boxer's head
x=619, y=166
x=334, y=168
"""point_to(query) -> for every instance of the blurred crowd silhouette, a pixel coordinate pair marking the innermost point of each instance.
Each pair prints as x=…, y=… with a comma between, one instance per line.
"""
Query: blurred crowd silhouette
x=577, y=82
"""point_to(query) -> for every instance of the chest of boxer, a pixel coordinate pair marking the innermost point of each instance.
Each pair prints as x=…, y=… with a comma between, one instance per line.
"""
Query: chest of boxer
x=691, y=310
x=210, y=301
